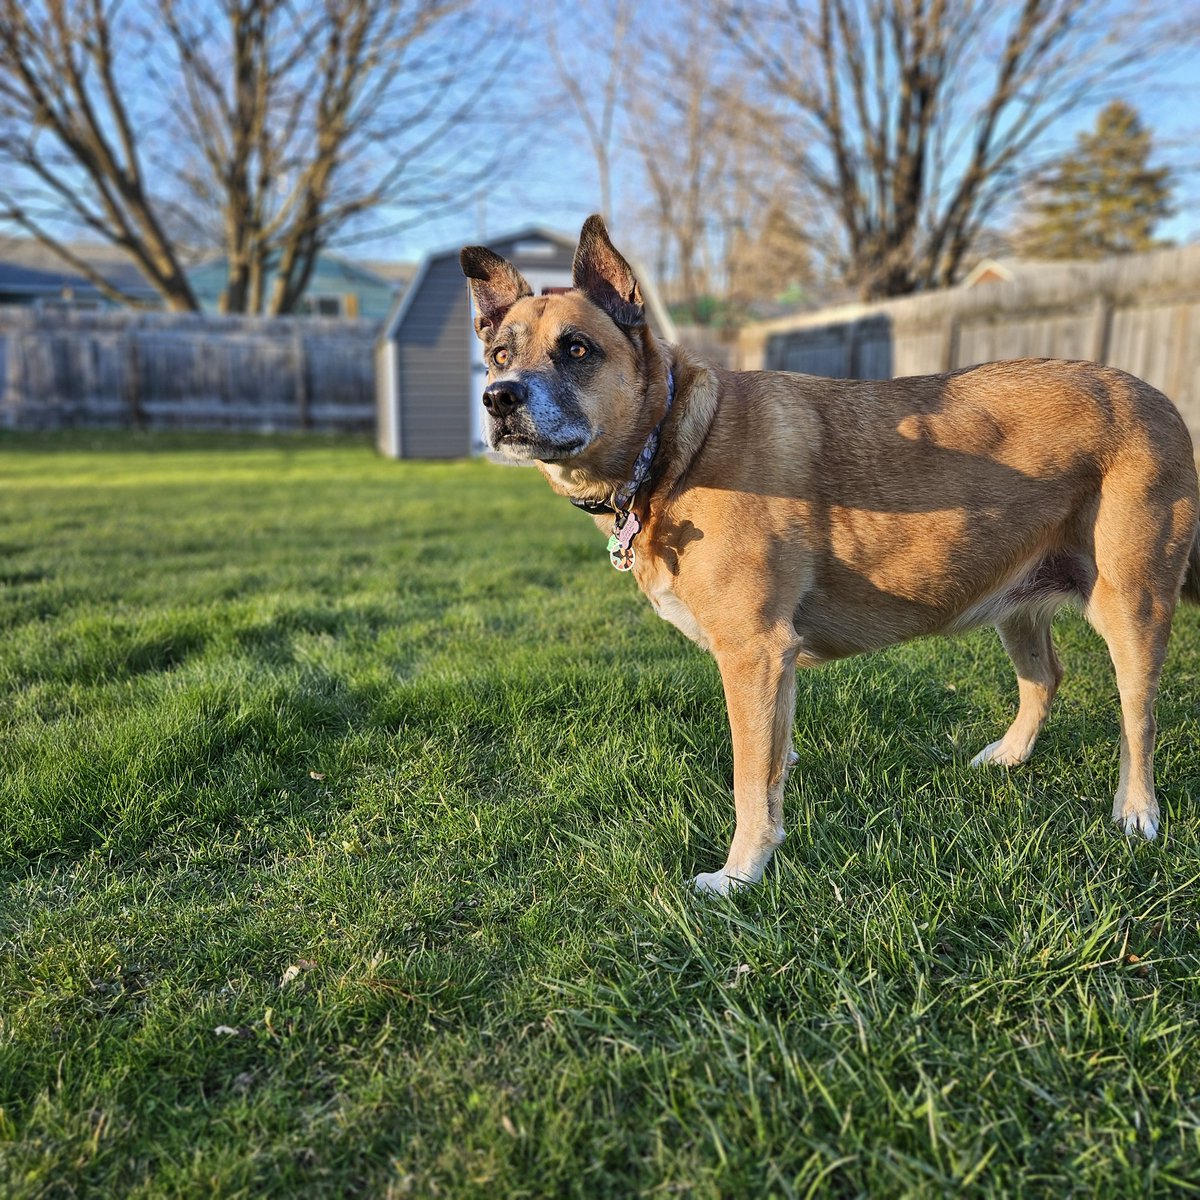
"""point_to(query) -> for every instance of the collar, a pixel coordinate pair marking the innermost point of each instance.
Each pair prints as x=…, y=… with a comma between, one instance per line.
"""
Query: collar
x=620, y=501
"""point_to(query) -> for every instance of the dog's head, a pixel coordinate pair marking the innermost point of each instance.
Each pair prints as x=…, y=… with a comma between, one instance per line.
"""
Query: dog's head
x=566, y=373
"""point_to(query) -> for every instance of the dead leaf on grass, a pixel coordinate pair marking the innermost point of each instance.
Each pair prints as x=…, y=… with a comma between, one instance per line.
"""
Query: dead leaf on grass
x=295, y=970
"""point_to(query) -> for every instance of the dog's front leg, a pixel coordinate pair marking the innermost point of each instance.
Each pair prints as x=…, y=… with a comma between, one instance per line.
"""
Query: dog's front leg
x=760, y=692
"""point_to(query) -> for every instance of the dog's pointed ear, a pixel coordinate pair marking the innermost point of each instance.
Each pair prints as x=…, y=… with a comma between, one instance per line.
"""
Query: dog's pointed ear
x=605, y=277
x=496, y=285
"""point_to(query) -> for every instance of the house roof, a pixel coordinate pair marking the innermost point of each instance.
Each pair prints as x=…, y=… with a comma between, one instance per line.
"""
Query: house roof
x=398, y=274
x=1009, y=269
x=27, y=266
x=15, y=278
x=110, y=261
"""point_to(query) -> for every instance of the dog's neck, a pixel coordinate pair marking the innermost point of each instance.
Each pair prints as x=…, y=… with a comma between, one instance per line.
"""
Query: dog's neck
x=621, y=499
x=593, y=485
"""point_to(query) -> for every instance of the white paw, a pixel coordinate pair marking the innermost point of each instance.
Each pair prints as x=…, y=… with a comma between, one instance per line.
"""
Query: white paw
x=997, y=753
x=1145, y=823
x=717, y=883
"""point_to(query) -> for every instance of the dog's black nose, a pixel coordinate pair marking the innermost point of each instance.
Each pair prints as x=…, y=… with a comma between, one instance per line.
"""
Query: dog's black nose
x=501, y=397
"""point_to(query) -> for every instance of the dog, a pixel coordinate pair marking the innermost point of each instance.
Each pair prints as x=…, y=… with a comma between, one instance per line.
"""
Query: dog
x=783, y=520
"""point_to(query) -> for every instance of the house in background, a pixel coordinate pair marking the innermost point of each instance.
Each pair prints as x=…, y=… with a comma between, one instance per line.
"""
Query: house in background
x=33, y=275
x=1066, y=272
x=336, y=288
x=429, y=368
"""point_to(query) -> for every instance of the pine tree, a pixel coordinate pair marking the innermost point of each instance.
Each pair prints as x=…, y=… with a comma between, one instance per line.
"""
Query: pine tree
x=1103, y=198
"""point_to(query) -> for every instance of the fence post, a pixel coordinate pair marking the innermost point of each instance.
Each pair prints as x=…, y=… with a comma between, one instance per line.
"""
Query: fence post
x=300, y=372
x=133, y=379
x=950, y=343
x=851, y=336
x=1101, y=328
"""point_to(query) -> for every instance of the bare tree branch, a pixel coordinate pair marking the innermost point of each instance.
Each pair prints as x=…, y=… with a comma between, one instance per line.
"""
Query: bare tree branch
x=598, y=115
x=915, y=116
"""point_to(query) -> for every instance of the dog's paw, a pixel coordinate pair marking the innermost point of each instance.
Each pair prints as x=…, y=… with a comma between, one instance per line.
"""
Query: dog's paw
x=717, y=883
x=1144, y=822
x=1000, y=755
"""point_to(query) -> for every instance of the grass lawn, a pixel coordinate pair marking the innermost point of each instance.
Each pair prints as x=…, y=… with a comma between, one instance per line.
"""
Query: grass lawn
x=345, y=813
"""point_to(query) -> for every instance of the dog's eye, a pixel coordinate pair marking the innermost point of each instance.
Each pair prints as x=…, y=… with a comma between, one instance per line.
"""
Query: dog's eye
x=577, y=350
x=501, y=357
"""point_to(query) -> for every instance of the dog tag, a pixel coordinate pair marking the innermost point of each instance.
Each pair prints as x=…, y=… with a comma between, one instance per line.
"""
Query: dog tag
x=621, y=557
x=620, y=552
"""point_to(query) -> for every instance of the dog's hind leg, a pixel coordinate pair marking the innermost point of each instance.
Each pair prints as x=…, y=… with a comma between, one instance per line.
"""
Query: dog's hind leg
x=760, y=693
x=1135, y=622
x=1142, y=545
x=1026, y=637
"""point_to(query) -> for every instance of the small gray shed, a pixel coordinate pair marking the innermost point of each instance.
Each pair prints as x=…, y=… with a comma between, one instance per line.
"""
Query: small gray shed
x=429, y=369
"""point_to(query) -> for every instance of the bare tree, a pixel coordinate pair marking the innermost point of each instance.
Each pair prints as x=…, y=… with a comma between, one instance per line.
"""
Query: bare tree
x=913, y=119
x=770, y=257
x=66, y=125
x=596, y=104
x=713, y=174
x=293, y=122
x=683, y=151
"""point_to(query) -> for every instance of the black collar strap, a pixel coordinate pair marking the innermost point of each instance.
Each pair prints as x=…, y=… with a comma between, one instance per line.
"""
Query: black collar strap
x=622, y=498
x=595, y=507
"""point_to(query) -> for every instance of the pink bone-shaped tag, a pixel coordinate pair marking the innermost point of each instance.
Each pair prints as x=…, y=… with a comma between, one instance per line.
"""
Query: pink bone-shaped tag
x=624, y=534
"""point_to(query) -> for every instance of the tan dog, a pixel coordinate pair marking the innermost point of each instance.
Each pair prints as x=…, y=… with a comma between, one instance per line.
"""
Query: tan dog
x=788, y=520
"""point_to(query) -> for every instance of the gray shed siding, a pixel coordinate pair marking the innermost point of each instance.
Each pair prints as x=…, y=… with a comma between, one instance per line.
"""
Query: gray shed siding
x=434, y=366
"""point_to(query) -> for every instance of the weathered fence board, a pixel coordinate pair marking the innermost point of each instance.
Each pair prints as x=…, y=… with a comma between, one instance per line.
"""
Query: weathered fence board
x=162, y=370
x=1140, y=313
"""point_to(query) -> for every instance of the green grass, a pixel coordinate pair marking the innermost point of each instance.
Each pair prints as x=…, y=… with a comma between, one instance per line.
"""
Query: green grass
x=279, y=703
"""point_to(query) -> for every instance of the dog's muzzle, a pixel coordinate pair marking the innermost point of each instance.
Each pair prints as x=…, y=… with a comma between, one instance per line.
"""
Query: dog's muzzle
x=501, y=397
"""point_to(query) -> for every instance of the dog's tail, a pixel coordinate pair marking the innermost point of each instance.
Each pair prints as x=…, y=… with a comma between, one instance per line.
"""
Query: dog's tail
x=1191, y=577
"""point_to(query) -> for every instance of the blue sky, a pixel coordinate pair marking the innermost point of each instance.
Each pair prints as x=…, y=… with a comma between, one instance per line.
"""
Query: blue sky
x=556, y=182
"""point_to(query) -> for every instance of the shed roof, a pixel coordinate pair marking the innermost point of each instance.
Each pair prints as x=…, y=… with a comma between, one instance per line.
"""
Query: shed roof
x=1012, y=270
x=660, y=316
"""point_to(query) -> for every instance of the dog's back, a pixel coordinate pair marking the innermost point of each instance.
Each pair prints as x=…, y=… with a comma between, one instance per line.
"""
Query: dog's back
x=940, y=502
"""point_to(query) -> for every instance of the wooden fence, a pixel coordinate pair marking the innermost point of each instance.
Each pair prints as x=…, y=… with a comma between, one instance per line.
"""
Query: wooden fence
x=1140, y=313
x=165, y=371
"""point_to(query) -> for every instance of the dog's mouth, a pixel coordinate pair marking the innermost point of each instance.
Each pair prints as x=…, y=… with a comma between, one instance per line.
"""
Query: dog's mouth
x=522, y=446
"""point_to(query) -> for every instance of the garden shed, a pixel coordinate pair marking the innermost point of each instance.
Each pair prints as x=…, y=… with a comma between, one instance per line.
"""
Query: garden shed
x=429, y=369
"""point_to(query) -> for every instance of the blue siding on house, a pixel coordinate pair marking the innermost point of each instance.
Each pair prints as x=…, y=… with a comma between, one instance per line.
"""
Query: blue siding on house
x=331, y=277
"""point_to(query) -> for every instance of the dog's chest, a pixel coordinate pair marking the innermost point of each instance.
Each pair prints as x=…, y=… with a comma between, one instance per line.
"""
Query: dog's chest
x=669, y=606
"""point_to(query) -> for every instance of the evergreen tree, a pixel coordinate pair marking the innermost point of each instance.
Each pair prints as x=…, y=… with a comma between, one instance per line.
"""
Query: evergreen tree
x=1102, y=199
